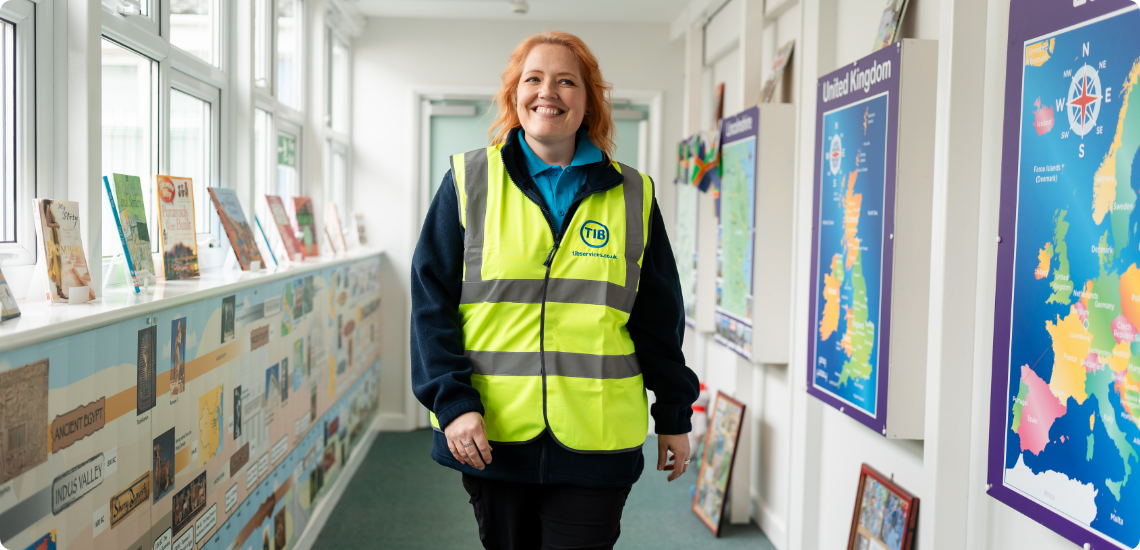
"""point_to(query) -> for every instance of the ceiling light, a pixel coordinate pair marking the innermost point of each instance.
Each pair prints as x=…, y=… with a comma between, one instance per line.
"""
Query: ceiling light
x=520, y=7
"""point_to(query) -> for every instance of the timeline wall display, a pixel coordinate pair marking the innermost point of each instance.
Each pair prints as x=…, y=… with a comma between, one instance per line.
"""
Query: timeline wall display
x=132, y=460
x=1065, y=402
x=867, y=236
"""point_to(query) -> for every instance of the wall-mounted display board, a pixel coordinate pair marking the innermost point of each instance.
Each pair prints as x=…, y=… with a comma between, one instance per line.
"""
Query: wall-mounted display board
x=685, y=248
x=870, y=258
x=1065, y=403
x=753, y=207
x=218, y=422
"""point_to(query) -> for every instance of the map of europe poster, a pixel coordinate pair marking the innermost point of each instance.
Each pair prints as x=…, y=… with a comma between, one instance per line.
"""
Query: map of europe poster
x=854, y=201
x=1065, y=403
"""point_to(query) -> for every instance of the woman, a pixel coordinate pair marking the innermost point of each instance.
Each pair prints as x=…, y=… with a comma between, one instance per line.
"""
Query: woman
x=545, y=300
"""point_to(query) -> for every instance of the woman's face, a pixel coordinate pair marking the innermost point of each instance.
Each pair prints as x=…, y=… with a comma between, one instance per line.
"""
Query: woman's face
x=551, y=97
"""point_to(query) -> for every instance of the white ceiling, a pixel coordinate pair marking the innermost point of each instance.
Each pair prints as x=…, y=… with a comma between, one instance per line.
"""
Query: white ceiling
x=640, y=11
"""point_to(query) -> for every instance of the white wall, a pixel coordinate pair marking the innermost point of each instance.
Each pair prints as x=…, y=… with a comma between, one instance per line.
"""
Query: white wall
x=393, y=56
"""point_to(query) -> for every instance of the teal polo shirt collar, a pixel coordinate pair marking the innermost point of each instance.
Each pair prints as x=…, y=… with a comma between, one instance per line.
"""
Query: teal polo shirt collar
x=585, y=153
x=557, y=185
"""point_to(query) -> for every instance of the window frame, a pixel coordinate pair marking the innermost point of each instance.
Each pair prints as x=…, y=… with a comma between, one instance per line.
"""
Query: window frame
x=28, y=106
x=182, y=82
x=336, y=140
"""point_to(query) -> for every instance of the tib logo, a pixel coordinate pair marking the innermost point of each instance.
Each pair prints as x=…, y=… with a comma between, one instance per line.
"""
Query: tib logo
x=594, y=234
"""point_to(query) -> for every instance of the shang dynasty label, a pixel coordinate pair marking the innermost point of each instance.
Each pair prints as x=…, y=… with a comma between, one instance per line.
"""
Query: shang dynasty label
x=130, y=499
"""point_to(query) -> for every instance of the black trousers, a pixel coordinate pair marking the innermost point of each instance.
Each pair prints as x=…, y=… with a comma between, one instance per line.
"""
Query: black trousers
x=525, y=516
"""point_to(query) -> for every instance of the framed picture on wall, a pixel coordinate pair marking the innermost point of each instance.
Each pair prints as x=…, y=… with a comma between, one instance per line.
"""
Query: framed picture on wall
x=885, y=514
x=716, y=464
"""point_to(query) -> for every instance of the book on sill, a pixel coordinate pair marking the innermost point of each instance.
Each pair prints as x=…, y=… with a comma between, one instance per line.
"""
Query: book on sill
x=237, y=227
x=57, y=229
x=8, y=307
x=284, y=227
x=361, y=235
x=332, y=227
x=889, y=24
x=178, y=235
x=306, y=224
x=125, y=248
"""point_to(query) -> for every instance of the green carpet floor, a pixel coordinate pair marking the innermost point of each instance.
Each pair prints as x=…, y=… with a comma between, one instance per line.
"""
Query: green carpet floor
x=401, y=499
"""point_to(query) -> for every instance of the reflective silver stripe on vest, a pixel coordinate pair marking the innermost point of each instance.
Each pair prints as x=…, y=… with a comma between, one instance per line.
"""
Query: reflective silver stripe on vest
x=573, y=365
x=634, y=191
x=567, y=291
x=455, y=189
x=475, y=185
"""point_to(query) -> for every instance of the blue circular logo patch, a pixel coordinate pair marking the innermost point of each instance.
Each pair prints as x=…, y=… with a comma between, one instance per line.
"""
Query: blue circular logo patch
x=594, y=234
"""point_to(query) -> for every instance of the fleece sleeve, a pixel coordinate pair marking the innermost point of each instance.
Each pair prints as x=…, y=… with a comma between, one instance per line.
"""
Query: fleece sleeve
x=657, y=327
x=441, y=373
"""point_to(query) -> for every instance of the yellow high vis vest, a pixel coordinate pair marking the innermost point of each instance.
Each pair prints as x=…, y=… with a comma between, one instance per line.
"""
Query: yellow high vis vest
x=544, y=326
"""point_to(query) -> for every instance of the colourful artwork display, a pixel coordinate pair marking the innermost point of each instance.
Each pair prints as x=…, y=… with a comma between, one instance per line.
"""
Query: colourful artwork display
x=57, y=226
x=1065, y=402
x=889, y=24
x=237, y=228
x=307, y=225
x=716, y=463
x=179, y=234
x=206, y=468
x=886, y=516
x=736, y=242
x=854, y=201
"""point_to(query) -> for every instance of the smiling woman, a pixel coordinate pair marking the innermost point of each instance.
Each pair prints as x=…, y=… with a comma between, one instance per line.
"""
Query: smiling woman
x=543, y=311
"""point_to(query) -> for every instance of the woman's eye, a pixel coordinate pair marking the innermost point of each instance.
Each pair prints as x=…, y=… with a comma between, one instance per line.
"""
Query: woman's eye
x=532, y=79
x=566, y=82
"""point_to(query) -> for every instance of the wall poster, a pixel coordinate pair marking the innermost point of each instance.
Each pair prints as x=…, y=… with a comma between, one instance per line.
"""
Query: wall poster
x=736, y=234
x=852, y=231
x=1065, y=402
x=685, y=248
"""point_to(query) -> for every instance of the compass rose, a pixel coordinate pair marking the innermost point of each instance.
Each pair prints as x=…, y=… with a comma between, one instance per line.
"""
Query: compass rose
x=835, y=154
x=1083, y=104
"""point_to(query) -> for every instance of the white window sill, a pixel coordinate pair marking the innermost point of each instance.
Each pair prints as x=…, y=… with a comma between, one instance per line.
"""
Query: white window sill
x=41, y=321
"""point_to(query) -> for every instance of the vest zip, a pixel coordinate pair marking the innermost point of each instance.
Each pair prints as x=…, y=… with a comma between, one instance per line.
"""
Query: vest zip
x=557, y=236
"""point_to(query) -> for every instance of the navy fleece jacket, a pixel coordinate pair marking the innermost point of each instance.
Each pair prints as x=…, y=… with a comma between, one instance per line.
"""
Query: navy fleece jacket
x=441, y=373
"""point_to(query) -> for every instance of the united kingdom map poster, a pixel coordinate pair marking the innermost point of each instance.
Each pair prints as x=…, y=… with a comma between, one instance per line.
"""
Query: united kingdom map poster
x=854, y=196
x=1065, y=403
x=736, y=234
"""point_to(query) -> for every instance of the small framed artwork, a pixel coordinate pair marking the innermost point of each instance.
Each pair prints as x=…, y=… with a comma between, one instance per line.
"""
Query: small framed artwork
x=885, y=514
x=716, y=464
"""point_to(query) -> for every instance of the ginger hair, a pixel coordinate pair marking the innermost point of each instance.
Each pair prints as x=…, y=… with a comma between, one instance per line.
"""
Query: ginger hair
x=598, y=104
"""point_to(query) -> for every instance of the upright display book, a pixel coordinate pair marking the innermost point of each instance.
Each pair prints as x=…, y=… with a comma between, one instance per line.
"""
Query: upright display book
x=776, y=75
x=284, y=226
x=361, y=235
x=1065, y=401
x=179, y=235
x=9, y=309
x=57, y=226
x=736, y=212
x=237, y=228
x=133, y=223
x=889, y=24
x=122, y=235
x=307, y=225
x=332, y=226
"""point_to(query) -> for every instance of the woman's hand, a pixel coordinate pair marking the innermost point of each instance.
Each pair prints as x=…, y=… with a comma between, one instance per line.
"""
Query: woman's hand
x=467, y=439
x=679, y=446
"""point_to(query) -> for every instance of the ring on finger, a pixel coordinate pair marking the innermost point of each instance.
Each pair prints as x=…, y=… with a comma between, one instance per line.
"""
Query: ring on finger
x=465, y=445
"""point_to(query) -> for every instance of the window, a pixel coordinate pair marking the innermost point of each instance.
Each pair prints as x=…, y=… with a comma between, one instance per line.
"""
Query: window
x=129, y=90
x=194, y=28
x=289, y=53
x=191, y=150
x=288, y=183
x=338, y=85
x=11, y=195
x=262, y=42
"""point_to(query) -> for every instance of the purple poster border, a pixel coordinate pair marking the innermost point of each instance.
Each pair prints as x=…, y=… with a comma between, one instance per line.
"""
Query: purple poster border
x=892, y=53
x=752, y=116
x=1028, y=19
